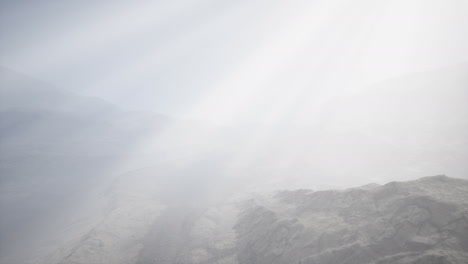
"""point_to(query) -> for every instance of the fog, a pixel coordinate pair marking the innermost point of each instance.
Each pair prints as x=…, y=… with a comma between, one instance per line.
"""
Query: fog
x=187, y=103
x=184, y=57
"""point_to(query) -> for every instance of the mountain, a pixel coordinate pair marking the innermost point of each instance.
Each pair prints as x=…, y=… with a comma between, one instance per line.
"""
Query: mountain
x=19, y=91
x=62, y=154
x=422, y=221
x=82, y=181
x=411, y=125
x=414, y=222
x=56, y=150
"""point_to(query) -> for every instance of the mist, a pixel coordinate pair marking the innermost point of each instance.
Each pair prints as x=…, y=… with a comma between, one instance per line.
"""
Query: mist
x=164, y=109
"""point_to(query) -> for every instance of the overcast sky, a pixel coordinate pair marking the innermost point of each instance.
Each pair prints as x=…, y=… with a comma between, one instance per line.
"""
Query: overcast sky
x=227, y=60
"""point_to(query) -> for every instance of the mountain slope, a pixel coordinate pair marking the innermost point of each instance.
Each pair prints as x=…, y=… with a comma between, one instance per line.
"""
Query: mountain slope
x=56, y=151
x=422, y=221
x=416, y=222
x=61, y=154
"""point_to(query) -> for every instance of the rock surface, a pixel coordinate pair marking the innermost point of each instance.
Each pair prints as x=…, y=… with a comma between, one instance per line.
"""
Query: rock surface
x=417, y=222
x=422, y=221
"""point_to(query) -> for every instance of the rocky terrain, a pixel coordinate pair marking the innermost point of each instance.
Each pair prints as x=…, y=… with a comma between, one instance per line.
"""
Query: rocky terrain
x=83, y=181
x=421, y=221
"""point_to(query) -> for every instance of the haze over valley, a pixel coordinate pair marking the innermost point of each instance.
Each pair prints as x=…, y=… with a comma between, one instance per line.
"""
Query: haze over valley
x=198, y=132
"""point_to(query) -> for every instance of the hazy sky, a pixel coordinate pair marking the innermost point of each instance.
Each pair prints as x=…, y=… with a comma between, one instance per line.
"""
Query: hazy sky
x=335, y=93
x=228, y=61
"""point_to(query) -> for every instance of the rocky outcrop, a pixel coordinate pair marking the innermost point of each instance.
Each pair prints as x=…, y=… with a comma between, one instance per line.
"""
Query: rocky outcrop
x=417, y=222
x=422, y=221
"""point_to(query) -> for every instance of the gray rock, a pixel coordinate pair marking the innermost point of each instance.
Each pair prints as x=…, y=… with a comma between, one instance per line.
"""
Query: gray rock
x=422, y=221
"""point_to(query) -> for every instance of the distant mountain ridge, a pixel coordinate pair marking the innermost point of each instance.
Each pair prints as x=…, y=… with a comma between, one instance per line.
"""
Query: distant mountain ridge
x=18, y=91
x=55, y=149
